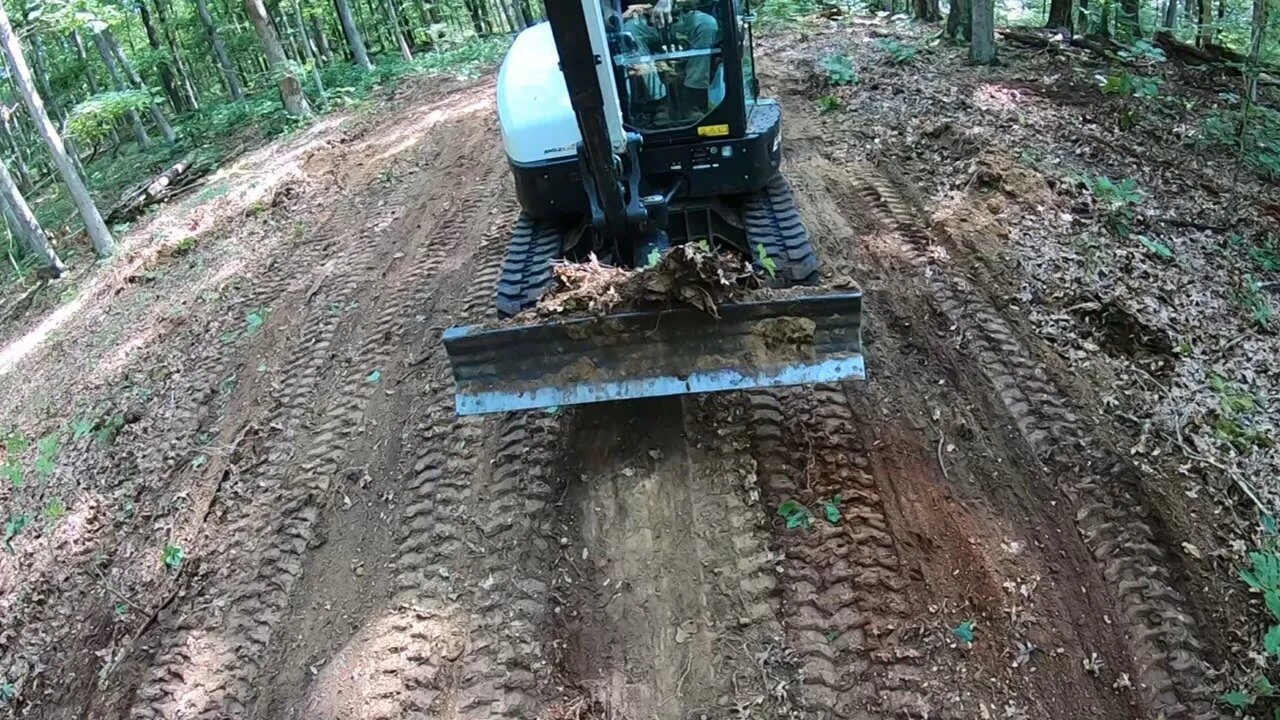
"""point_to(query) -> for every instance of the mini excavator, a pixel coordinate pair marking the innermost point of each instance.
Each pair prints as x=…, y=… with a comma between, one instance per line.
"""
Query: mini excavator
x=630, y=130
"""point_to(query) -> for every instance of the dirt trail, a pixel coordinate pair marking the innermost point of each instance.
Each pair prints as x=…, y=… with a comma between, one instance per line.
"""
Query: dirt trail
x=357, y=551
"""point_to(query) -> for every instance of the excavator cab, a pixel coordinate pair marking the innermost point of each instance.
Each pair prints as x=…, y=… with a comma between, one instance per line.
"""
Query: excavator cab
x=625, y=138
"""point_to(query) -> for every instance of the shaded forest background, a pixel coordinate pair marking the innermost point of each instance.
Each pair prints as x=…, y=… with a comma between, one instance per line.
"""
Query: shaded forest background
x=143, y=97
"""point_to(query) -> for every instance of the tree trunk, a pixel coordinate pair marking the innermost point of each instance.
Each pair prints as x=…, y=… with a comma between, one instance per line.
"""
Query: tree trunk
x=89, y=75
x=42, y=76
x=959, y=21
x=24, y=224
x=394, y=17
x=1102, y=23
x=1204, y=30
x=295, y=101
x=322, y=40
x=163, y=11
x=1130, y=19
x=1061, y=15
x=982, y=44
x=113, y=71
x=306, y=46
x=101, y=238
x=166, y=72
x=1249, y=97
x=229, y=74
x=1171, y=14
x=473, y=10
x=157, y=115
x=354, y=41
x=19, y=158
x=925, y=10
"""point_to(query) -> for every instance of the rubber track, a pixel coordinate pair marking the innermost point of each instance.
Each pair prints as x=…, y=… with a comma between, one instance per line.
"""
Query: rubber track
x=526, y=273
x=845, y=587
x=773, y=221
x=1101, y=484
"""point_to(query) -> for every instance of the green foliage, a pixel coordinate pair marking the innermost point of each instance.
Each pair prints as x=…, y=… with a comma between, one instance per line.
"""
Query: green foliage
x=1156, y=247
x=1266, y=255
x=899, y=53
x=796, y=515
x=839, y=69
x=54, y=510
x=831, y=509
x=47, y=454
x=1125, y=84
x=830, y=103
x=1262, y=573
x=1117, y=200
x=94, y=118
x=778, y=12
x=12, y=528
x=1142, y=50
x=1231, y=420
x=173, y=556
x=1255, y=304
x=655, y=255
x=255, y=319
x=965, y=631
x=1256, y=137
x=769, y=264
x=374, y=377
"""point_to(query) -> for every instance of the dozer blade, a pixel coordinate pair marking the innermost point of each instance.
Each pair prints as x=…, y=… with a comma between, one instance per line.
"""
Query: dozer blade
x=791, y=341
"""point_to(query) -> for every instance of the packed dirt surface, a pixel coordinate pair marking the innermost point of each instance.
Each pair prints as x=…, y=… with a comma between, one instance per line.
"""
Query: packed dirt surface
x=270, y=510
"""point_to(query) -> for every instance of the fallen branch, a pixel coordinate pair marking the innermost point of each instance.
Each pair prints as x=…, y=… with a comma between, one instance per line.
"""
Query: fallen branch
x=164, y=186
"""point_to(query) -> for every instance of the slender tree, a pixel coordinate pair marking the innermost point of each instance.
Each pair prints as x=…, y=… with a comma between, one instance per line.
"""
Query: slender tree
x=24, y=224
x=1061, y=15
x=1130, y=19
x=96, y=228
x=306, y=46
x=157, y=115
x=394, y=18
x=1170, y=19
x=1205, y=28
x=228, y=70
x=167, y=81
x=322, y=40
x=354, y=40
x=959, y=21
x=295, y=101
x=117, y=82
x=982, y=45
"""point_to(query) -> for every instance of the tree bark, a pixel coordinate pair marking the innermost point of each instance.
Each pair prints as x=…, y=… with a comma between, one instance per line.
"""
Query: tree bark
x=189, y=90
x=167, y=80
x=925, y=10
x=229, y=74
x=1204, y=32
x=306, y=46
x=354, y=40
x=394, y=18
x=101, y=238
x=959, y=21
x=24, y=224
x=157, y=115
x=1249, y=97
x=89, y=75
x=1171, y=14
x=113, y=72
x=42, y=76
x=295, y=101
x=19, y=160
x=1130, y=19
x=322, y=40
x=1061, y=15
x=982, y=46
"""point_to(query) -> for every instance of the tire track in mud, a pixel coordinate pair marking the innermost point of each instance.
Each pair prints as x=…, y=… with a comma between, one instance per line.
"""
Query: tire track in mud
x=668, y=604
x=1102, y=485
x=292, y=483
x=845, y=586
x=462, y=638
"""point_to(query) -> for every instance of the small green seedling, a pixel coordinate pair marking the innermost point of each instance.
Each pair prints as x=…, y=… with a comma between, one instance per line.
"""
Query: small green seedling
x=796, y=515
x=373, y=377
x=173, y=556
x=830, y=104
x=655, y=256
x=766, y=262
x=12, y=528
x=965, y=631
x=831, y=509
x=839, y=69
x=54, y=510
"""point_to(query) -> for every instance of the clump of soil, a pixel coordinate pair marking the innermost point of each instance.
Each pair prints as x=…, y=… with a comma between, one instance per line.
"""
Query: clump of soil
x=688, y=274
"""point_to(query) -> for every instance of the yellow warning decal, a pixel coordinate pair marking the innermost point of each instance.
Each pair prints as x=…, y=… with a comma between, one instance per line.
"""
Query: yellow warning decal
x=713, y=130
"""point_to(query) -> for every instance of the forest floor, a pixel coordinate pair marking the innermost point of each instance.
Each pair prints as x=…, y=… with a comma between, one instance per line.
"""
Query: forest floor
x=241, y=489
